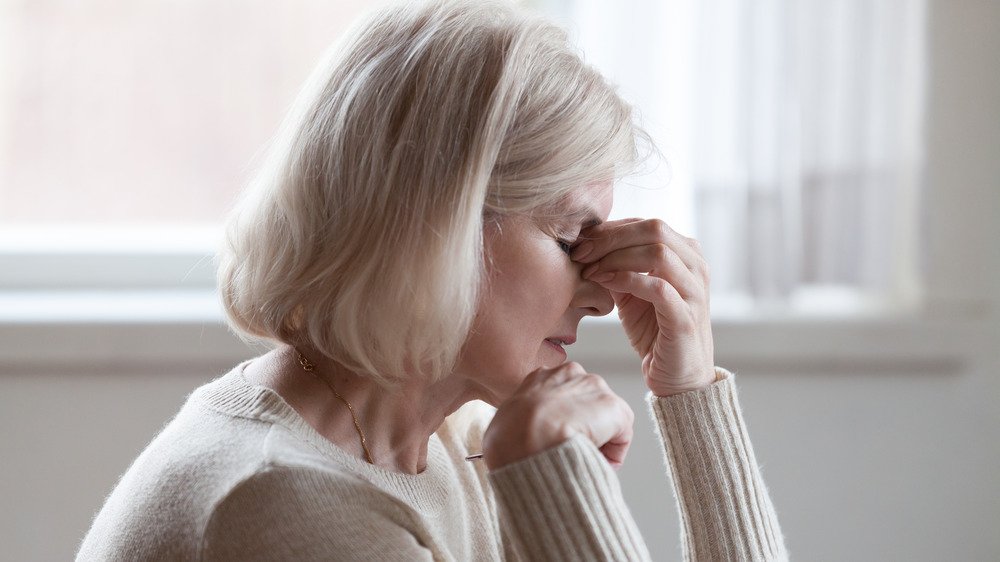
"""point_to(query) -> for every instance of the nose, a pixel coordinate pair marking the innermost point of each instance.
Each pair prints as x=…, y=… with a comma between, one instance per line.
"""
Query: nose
x=594, y=299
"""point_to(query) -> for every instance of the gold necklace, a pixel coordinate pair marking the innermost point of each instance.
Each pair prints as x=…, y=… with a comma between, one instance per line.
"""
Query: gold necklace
x=310, y=368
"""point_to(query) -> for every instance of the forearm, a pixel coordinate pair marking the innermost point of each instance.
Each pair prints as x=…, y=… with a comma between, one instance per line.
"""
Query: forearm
x=565, y=503
x=725, y=508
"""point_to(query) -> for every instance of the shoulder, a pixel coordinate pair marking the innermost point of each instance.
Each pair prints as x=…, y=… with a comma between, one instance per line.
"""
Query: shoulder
x=303, y=513
x=297, y=488
x=155, y=507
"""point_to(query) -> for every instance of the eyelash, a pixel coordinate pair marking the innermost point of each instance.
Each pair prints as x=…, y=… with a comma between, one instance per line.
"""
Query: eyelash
x=565, y=246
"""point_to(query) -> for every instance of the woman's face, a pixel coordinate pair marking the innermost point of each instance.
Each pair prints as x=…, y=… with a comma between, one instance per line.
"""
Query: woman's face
x=534, y=296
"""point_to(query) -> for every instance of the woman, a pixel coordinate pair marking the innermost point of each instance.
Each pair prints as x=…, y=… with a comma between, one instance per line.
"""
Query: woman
x=426, y=235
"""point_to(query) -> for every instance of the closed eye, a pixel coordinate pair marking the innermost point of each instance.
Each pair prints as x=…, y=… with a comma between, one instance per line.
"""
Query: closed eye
x=565, y=246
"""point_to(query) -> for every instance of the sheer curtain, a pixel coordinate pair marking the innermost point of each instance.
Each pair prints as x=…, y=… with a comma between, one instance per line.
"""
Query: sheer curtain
x=792, y=137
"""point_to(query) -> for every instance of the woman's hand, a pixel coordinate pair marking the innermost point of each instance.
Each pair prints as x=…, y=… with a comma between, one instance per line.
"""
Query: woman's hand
x=665, y=313
x=552, y=405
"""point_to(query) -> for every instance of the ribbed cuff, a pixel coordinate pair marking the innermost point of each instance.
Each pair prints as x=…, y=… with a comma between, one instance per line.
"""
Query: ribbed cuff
x=565, y=503
x=725, y=510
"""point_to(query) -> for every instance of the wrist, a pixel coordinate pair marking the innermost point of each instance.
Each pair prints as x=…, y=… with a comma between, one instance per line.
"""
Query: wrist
x=708, y=380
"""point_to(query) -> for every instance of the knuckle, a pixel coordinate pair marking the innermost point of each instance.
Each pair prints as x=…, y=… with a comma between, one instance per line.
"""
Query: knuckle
x=663, y=292
x=599, y=381
x=659, y=252
x=629, y=413
x=677, y=261
x=704, y=271
x=658, y=228
x=695, y=292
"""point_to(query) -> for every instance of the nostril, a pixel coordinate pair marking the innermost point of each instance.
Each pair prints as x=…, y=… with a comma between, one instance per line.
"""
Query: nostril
x=604, y=308
x=593, y=299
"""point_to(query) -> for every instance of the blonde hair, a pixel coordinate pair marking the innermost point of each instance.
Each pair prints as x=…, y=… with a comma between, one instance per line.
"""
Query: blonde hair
x=361, y=235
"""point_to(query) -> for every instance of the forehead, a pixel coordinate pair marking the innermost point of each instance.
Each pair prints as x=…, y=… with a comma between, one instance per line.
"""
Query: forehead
x=590, y=204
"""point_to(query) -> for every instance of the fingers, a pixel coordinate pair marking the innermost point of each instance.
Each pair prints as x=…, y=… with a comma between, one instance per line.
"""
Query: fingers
x=574, y=401
x=662, y=295
x=658, y=260
x=588, y=238
x=616, y=448
x=554, y=375
x=602, y=239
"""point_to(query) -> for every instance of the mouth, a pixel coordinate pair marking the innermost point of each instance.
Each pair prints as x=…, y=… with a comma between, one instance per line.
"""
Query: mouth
x=556, y=346
x=560, y=343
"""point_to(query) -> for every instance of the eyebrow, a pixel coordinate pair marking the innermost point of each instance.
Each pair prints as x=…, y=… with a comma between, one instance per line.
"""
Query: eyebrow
x=586, y=216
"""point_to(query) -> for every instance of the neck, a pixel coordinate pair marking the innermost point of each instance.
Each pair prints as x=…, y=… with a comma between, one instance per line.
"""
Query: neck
x=397, y=425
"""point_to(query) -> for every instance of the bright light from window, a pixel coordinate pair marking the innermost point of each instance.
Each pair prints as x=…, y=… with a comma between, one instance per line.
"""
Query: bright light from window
x=146, y=113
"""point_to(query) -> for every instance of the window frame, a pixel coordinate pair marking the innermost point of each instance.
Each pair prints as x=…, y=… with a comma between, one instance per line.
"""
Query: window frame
x=957, y=312
x=129, y=313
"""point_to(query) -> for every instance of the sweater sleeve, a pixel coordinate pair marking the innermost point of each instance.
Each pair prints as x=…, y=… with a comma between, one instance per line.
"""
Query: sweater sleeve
x=725, y=510
x=565, y=503
x=288, y=514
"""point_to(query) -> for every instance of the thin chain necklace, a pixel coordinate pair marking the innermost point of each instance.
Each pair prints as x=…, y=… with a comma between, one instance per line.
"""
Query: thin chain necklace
x=311, y=369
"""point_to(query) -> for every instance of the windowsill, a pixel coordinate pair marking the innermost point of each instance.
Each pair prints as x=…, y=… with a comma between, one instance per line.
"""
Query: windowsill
x=119, y=331
x=813, y=344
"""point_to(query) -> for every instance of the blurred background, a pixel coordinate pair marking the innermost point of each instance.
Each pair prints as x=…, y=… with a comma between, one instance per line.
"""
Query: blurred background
x=839, y=161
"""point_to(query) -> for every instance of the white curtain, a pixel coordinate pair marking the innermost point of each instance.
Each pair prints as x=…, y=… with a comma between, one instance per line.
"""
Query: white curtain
x=792, y=128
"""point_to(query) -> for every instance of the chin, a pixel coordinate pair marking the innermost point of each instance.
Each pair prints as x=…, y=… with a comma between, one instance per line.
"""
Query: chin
x=498, y=392
x=509, y=381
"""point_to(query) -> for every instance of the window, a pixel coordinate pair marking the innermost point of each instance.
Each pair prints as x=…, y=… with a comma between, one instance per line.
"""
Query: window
x=792, y=134
x=137, y=114
x=792, y=138
x=129, y=128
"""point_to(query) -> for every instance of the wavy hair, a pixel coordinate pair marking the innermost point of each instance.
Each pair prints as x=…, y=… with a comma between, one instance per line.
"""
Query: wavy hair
x=361, y=233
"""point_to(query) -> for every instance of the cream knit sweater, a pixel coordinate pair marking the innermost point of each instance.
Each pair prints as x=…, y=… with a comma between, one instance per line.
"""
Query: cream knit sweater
x=239, y=475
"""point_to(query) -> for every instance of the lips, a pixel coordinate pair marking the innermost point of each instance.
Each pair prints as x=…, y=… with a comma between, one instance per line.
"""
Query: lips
x=562, y=340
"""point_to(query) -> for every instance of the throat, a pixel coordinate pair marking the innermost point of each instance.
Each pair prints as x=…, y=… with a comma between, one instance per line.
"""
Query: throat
x=397, y=426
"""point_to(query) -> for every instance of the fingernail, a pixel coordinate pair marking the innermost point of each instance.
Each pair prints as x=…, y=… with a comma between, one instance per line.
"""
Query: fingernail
x=603, y=277
x=582, y=250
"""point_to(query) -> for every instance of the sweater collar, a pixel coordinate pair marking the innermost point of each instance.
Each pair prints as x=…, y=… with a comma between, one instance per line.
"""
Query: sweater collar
x=232, y=394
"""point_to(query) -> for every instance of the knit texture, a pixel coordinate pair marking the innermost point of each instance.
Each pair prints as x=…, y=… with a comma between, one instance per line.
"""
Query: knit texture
x=566, y=504
x=725, y=510
x=239, y=475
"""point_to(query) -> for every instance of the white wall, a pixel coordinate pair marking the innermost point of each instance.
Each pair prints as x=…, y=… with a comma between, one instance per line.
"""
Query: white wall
x=865, y=460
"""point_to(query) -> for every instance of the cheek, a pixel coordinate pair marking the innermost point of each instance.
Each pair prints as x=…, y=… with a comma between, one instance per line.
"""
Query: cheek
x=520, y=309
x=539, y=291
x=534, y=305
